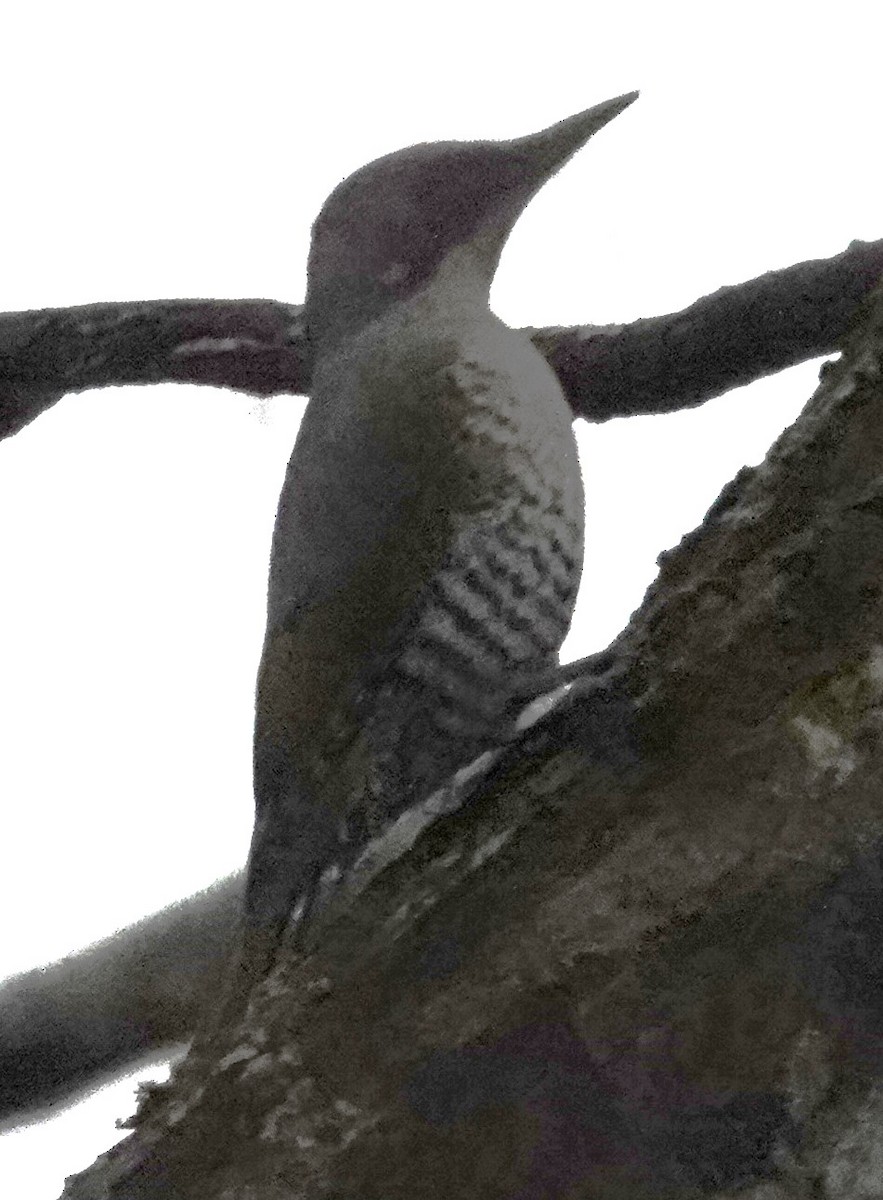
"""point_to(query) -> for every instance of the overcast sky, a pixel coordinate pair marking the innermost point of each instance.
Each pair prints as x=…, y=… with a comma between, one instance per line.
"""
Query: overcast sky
x=182, y=150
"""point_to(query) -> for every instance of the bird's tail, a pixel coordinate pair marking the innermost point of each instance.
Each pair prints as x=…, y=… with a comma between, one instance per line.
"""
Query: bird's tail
x=283, y=875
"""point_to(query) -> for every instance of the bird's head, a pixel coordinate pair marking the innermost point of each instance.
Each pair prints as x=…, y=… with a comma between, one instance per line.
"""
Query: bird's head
x=386, y=231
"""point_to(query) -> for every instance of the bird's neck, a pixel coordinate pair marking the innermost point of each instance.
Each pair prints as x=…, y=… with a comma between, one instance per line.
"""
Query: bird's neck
x=458, y=291
x=461, y=284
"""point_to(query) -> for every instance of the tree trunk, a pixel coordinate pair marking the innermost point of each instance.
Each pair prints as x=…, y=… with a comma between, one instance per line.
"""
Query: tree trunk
x=642, y=958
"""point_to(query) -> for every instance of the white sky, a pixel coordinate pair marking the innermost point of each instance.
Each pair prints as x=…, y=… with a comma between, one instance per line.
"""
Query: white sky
x=183, y=150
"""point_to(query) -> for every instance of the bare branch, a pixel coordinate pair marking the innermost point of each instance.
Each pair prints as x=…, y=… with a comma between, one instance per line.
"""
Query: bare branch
x=67, y=1025
x=253, y=346
x=737, y=334
x=655, y=365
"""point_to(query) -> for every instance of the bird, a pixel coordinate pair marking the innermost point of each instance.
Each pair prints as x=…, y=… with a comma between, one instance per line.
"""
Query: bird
x=428, y=542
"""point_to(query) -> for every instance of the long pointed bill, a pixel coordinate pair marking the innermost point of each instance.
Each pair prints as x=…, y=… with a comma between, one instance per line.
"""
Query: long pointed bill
x=549, y=150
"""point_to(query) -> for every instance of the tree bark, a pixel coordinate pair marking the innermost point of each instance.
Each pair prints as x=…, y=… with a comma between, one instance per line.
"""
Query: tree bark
x=641, y=957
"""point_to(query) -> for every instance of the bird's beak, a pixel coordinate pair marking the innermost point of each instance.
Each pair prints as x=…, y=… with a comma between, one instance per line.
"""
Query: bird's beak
x=533, y=161
x=545, y=152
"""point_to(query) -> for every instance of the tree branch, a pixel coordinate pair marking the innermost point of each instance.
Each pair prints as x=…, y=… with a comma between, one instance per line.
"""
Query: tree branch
x=259, y=346
x=65, y=1026
x=725, y=340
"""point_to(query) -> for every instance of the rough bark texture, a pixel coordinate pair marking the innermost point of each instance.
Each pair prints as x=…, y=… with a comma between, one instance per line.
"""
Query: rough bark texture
x=643, y=959
x=260, y=346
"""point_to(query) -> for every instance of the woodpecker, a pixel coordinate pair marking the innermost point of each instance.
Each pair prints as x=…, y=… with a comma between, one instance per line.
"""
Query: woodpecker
x=429, y=535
